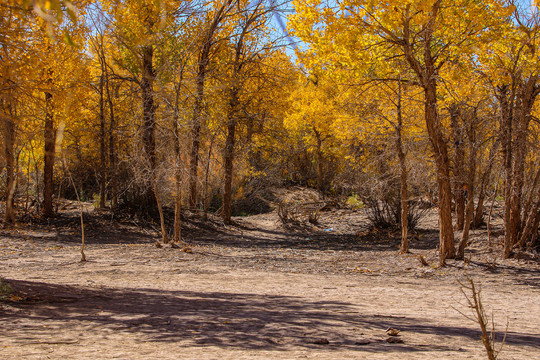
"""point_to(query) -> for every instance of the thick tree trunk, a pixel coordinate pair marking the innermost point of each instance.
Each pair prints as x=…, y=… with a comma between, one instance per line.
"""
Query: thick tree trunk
x=440, y=150
x=520, y=153
x=50, y=140
x=426, y=71
x=506, y=114
x=459, y=165
x=149, y=128
x=516, y=108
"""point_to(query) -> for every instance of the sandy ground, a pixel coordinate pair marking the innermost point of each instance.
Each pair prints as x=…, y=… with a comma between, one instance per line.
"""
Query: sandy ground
x=258, y=291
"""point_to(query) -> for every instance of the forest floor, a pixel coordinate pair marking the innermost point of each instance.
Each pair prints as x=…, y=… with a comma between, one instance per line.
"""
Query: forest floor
x=257, y=290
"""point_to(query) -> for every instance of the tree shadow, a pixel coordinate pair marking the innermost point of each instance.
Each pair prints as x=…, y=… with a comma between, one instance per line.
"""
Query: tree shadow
x=239, y=320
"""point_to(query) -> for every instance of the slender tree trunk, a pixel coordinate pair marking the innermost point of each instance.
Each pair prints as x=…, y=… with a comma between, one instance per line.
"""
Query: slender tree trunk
x=164, y=237
x=149, y=123
x=531, y=210
x=113, y=195
x=532, y=195
x=479, y=215
x=202, y=64
x=320, y=161
x=205, y=199
x=529, y=227
x=459, y=165
x=196, y=138
x=8, y=129
x=404, y=248
x=50, y=139
x=471, y=136
x=535, y=228
x=228, y=155
x=177, y=168
x=102, y=149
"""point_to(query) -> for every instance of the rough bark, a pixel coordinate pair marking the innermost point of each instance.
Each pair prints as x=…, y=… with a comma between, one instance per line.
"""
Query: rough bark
x=516, y=107
x=426, y=72
x=149, y=128
x=446, y=236
x=505, y=98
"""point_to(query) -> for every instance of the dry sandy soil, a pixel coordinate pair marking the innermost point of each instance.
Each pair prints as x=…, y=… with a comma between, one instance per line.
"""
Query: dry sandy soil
x=257, y=290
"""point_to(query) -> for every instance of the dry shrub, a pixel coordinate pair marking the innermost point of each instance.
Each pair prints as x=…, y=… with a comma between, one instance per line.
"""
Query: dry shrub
x=298, y=205
x=474, y=302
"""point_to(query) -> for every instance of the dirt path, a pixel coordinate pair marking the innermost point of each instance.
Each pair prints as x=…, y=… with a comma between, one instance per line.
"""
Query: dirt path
x=256, y=291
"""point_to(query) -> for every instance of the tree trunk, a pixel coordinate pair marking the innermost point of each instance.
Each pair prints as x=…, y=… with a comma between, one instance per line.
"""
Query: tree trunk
x=177, y=168
x=528, y=229
x=506, y=107
x=426, y=72
x=149, y=128
x=149, y=124
x=515, y=108
x=50, y=140
x=202, y=64
x=535, y=228
x=113, y=195
x=446, y=235
x=228, y=155
x=8, y=129
x=459, y=165
x=404, y=248
x=320, y=160
x=102, y=149
x=479, y=215
x=471, y=136
x=531, y=210
x=196, y=138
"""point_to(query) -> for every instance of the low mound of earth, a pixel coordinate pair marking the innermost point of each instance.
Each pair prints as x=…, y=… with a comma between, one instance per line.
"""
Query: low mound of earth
x=257, y=289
